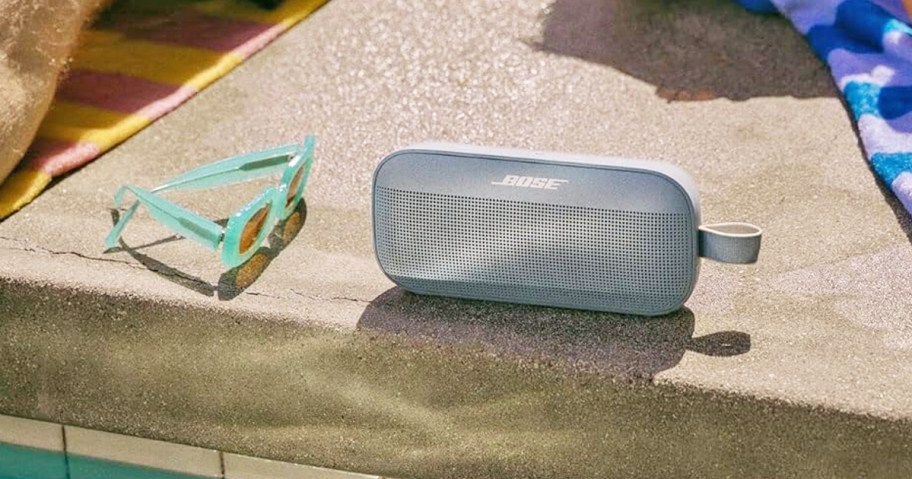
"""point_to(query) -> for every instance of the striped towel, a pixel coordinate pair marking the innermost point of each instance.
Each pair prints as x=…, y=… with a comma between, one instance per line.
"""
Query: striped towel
x=134, y=66
x=868, y=46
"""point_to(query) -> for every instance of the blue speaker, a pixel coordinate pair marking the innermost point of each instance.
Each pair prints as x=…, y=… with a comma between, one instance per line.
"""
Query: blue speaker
x=553, y=229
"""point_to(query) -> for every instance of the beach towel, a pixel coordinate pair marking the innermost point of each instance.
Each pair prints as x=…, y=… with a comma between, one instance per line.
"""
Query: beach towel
x=138, y=61
x=868, y=47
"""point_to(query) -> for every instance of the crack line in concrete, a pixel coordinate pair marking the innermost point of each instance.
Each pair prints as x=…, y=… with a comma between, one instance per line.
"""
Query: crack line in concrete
x=39, y=249
x=331, y=298
x=172, y=273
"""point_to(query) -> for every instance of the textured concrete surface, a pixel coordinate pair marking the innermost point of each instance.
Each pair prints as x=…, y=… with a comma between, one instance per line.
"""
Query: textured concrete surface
x=800, y=365
x=407, y=406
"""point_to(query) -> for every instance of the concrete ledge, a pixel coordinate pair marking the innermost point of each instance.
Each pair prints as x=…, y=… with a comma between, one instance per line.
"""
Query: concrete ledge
x=396, y=404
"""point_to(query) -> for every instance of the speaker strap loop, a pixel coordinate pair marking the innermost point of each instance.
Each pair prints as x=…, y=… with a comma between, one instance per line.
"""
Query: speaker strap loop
x=737, y=243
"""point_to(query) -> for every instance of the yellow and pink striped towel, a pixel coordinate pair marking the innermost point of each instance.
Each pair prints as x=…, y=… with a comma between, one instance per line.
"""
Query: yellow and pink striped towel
x=135, y=65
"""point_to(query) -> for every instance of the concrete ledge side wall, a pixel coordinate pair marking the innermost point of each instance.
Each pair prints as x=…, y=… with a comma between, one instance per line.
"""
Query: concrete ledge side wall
x=395, y=404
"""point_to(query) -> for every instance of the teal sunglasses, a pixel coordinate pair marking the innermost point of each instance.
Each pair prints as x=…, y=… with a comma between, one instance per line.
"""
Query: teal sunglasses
x=248, y=228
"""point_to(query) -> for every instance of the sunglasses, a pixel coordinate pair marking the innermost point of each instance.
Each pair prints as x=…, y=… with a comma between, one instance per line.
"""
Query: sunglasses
x=246, y=230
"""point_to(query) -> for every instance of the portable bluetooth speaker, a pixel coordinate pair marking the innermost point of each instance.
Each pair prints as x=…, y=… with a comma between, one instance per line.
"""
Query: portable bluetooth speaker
x=552, y=229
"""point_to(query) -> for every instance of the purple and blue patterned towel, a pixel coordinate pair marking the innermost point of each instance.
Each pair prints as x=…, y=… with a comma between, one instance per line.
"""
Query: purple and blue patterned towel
x=868, y=47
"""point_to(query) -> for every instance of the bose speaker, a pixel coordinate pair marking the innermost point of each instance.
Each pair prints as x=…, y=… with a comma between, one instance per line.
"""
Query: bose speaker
x=575, y=231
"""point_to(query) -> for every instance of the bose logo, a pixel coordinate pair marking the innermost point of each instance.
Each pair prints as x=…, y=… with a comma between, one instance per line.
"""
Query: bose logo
x=530, y=182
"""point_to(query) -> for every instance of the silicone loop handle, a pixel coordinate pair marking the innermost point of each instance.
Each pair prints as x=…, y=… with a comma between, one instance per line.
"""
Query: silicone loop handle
x=737, y=243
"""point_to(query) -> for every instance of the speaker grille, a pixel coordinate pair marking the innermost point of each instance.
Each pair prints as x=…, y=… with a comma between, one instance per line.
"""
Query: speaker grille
x=533, y=252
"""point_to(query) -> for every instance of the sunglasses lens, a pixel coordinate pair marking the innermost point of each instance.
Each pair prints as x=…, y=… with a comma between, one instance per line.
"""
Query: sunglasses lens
x=252, y=228
x=293, y=188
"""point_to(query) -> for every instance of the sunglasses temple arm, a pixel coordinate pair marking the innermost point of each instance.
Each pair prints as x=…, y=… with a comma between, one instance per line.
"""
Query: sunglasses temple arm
x=178, y=219
x=114, y=235
x=237, y=168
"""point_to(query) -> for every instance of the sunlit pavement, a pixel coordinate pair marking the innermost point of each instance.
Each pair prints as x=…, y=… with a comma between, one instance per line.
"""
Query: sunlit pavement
x=798, y=366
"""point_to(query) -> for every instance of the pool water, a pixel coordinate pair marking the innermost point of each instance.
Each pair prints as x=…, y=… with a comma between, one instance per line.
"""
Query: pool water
x=20, y=462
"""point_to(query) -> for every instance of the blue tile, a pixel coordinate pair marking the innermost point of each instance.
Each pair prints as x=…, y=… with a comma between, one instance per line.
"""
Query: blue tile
x=21, y=462
x=93, y=468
